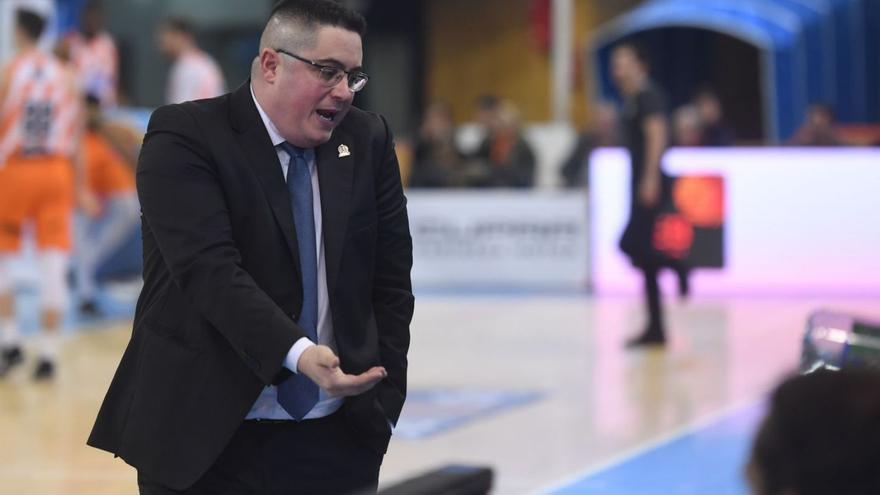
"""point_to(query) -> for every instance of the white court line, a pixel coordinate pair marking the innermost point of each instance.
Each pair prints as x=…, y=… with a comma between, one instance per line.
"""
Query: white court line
x=647, y=446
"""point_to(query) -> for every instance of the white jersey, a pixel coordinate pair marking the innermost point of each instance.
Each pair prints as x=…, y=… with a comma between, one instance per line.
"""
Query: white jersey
x=194, y=76
x=97, y=65
x=39, y=111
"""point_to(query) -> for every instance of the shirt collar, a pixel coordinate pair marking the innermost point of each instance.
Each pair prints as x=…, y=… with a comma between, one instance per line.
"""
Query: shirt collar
x=274, y=135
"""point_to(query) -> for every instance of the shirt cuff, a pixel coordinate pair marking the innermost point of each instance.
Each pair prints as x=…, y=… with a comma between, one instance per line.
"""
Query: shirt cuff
x=295, y=352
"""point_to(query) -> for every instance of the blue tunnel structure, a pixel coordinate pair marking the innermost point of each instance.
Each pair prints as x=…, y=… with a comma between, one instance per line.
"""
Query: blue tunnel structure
x=790, y=54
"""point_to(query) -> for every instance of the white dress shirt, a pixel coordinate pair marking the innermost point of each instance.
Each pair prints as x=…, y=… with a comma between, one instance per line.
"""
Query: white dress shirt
x=267, y=406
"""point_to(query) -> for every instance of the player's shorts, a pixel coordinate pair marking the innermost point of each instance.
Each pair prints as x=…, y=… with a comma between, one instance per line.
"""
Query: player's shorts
x=40, y=189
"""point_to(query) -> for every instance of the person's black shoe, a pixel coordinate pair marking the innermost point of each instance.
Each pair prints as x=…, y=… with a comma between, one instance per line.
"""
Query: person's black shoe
x=10, y=358
x=90, y=309
x=647, y=339
x=45, y=370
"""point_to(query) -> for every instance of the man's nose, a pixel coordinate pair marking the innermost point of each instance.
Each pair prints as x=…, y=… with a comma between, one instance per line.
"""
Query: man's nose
x=341, y=90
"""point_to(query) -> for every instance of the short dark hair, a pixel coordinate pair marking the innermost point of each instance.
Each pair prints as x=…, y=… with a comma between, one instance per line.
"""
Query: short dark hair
x=638, y=51
x=179, y=25
x=822, y=435
x=321, y=12
x=31, y=22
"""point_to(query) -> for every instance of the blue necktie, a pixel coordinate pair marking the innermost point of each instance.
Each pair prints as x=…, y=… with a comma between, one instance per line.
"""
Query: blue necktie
x=298, y=394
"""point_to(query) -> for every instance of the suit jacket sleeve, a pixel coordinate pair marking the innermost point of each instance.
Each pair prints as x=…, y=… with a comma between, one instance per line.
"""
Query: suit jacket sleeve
x=393, y=301
x=183, y=203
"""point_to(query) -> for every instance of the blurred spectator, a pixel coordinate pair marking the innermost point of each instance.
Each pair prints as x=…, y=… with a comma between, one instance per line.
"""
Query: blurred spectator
x=818, y=130
x=504, y=158
x=686, y=127
x=93, y=54
x=485, y=109
x=194, y=74
x=110, y=177
x=821, y=436
x=436, y=156
x=471, y=135
x=603, y=132
x=715, y=131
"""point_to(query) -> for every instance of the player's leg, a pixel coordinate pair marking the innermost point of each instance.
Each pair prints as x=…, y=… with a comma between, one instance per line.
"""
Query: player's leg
x=53, y=300
x=13, y=208
x=121, y=213
x=654, y=333
x=53, y=222
x=10, y=339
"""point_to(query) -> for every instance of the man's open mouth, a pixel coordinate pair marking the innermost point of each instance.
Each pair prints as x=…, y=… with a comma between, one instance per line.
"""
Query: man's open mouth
x=328, y=115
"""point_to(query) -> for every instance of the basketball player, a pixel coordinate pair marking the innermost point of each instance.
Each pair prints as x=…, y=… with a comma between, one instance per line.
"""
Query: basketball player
x=110, y=177
x=94, y=55
x=40, y=127
x=194, y=75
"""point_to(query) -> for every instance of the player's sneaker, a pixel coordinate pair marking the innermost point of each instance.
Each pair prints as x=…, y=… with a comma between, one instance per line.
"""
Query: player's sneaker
x=90, y=309
x=45, y=370
x=10, y=357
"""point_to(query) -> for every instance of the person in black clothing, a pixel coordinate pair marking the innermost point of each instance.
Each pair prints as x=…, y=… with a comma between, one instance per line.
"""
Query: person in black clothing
x=645, y=134
x=504, y=158
x=687, y=129
x=437, y=158
x=715, y=131
x=818, y=128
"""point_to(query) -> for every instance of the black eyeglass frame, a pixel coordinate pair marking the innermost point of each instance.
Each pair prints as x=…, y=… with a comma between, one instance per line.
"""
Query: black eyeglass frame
x=353, y=77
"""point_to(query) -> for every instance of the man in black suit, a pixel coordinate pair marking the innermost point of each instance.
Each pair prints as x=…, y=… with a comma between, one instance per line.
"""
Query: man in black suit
x=269, y=345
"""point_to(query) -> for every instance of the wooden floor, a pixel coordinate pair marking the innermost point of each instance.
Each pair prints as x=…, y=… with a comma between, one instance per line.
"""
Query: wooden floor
x=600, y=401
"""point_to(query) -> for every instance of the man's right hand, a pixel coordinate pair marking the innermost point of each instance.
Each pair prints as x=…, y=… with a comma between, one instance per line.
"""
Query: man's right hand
x=321, y=365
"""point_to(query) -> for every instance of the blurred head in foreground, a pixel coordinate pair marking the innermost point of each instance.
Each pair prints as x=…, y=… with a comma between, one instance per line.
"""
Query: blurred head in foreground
x=821, y=436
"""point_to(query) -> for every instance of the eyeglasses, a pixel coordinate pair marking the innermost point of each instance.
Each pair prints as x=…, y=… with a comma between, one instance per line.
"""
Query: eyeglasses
x=331, y=76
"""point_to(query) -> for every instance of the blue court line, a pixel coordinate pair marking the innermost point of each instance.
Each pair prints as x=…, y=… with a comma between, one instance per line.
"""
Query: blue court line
x=705, y=460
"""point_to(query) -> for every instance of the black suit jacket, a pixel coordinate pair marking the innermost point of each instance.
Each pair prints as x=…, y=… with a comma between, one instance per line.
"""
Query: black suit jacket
x=216, y=316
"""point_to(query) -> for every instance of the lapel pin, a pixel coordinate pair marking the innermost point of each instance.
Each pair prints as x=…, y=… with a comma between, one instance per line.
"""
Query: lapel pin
x=343, y=150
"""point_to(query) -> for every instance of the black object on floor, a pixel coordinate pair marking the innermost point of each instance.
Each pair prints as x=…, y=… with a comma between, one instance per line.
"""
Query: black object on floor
x=448, y=480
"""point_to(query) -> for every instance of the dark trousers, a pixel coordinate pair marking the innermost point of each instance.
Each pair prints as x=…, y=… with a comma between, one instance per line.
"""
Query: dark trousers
x=652, y=300
x=287, y=458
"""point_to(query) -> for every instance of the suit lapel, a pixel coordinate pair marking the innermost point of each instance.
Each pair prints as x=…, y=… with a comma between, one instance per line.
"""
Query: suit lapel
x=335, y=176
x=263, y=159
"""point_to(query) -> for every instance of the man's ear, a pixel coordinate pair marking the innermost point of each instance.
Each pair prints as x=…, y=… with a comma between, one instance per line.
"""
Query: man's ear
x=268, y=65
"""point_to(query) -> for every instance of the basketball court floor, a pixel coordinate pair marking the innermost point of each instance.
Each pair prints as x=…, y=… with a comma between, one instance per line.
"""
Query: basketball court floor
x=537, y=387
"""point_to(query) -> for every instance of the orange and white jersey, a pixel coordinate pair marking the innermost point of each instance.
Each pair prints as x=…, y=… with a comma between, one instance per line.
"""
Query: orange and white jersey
x=97, y=65
x=39, y=108
x=195, y=75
